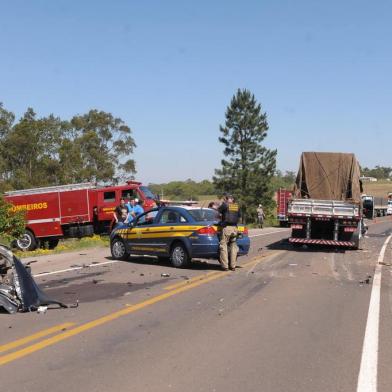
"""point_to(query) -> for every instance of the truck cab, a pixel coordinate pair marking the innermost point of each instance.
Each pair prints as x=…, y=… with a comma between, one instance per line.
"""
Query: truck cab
x=105, y=200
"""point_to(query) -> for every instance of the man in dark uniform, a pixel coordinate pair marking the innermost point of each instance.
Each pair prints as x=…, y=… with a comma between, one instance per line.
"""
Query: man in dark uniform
x=231, y=214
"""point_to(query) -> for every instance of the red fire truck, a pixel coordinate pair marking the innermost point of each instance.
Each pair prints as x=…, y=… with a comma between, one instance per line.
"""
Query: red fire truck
x=282, y=199
x=75, y=210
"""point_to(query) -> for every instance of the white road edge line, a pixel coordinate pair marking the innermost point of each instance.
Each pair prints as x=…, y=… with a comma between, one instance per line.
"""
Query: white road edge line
x=367, y=378
x=75, y=268
x=269, y=233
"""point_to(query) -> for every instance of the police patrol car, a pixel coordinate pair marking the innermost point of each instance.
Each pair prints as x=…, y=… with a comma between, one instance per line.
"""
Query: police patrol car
x=175, y=233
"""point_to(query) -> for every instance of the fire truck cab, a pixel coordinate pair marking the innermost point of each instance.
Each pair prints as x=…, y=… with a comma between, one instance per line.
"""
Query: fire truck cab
x=72, y=211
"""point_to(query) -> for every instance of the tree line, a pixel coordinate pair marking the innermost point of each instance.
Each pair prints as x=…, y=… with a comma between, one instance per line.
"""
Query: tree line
x=184, y=190
x=192, y=190
x=379, y=172
x=43, y=151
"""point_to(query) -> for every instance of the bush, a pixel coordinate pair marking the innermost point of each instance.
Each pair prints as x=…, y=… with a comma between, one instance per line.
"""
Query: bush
x=12, y=223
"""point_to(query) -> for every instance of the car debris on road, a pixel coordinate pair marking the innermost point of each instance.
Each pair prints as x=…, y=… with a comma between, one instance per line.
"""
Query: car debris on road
x=18, y=290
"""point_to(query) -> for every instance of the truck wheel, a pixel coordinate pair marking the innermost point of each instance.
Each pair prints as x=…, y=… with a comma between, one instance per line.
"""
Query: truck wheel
x=118, y=249
x=356, y=237
x=179, y=256
x=27, y=241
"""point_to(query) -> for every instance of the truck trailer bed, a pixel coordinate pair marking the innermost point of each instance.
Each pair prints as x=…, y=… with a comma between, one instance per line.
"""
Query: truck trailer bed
x=325, y=222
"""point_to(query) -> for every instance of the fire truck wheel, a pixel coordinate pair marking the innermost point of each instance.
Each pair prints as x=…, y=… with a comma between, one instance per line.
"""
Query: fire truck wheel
x=118, y=249
x=27, y=241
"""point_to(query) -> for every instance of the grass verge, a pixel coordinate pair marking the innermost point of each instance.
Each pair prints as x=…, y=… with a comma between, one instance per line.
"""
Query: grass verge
x=69, y=245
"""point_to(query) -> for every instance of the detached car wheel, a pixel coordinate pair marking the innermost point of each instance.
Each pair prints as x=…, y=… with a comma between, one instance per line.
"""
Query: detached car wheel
x=27, y=241
x=179, y=256
x=118, y=249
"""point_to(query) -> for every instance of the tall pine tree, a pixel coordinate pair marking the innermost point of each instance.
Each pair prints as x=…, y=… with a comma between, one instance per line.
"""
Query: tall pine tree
x=248, y=166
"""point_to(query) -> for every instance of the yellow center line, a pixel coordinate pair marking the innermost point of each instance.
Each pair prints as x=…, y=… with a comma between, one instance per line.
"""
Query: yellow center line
x=113, y=316
x=36, y=336
x=256, y=259
x=188, y=281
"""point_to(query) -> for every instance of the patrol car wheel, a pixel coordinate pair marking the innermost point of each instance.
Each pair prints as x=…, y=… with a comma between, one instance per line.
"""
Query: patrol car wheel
x=118, y=249
x=27, y=241
x=179, y=256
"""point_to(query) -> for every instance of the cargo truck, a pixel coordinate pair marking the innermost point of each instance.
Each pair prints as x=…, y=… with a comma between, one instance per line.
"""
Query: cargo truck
x=71, y=211
x=326, y=208
x=376, y=206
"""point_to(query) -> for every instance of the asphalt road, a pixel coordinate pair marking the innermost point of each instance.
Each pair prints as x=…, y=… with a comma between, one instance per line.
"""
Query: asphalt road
x=288, y=320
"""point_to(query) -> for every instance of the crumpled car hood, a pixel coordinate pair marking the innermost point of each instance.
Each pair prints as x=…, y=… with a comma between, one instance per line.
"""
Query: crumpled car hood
x=18, y=290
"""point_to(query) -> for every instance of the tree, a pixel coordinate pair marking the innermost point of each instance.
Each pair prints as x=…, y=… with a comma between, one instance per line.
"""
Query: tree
x=6, y=121
x=285, y=181
x=97, y=148
x=29, y=151
x=34, y=152
x=248, y=166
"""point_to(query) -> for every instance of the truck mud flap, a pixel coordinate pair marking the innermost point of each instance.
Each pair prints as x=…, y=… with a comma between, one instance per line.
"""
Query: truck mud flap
x=321, y=242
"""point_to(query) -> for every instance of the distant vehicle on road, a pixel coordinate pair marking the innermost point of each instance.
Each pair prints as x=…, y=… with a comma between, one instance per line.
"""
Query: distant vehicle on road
x=174, y=233
x=389, y=209
x=375, y=206
x=368, y=206
x=326, y=208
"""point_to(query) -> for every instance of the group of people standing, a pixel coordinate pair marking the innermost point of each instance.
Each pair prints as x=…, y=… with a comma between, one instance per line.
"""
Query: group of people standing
x=126, y=213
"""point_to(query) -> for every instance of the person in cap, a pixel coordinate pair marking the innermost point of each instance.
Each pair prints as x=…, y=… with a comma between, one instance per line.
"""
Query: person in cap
x=230, y=216
x=260, y=216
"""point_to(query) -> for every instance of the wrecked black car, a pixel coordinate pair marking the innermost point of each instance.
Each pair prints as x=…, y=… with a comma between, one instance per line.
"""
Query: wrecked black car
x=18, y=290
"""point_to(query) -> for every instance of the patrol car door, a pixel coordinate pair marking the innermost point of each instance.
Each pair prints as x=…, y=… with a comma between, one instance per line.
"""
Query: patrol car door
x=143, y=235
x=170, y=224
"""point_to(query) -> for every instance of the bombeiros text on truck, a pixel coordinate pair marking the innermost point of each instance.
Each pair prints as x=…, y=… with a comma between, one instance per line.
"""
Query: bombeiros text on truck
x=72, y=211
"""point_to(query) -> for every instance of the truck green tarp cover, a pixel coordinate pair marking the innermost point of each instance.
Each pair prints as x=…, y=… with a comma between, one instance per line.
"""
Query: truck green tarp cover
x=328, y=176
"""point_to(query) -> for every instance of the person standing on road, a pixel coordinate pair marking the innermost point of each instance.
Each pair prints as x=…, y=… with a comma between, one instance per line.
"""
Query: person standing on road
x=231, y=214
x=260, y=216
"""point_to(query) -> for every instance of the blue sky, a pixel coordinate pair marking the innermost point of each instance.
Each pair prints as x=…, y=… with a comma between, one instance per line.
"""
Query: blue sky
x=321, y=70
